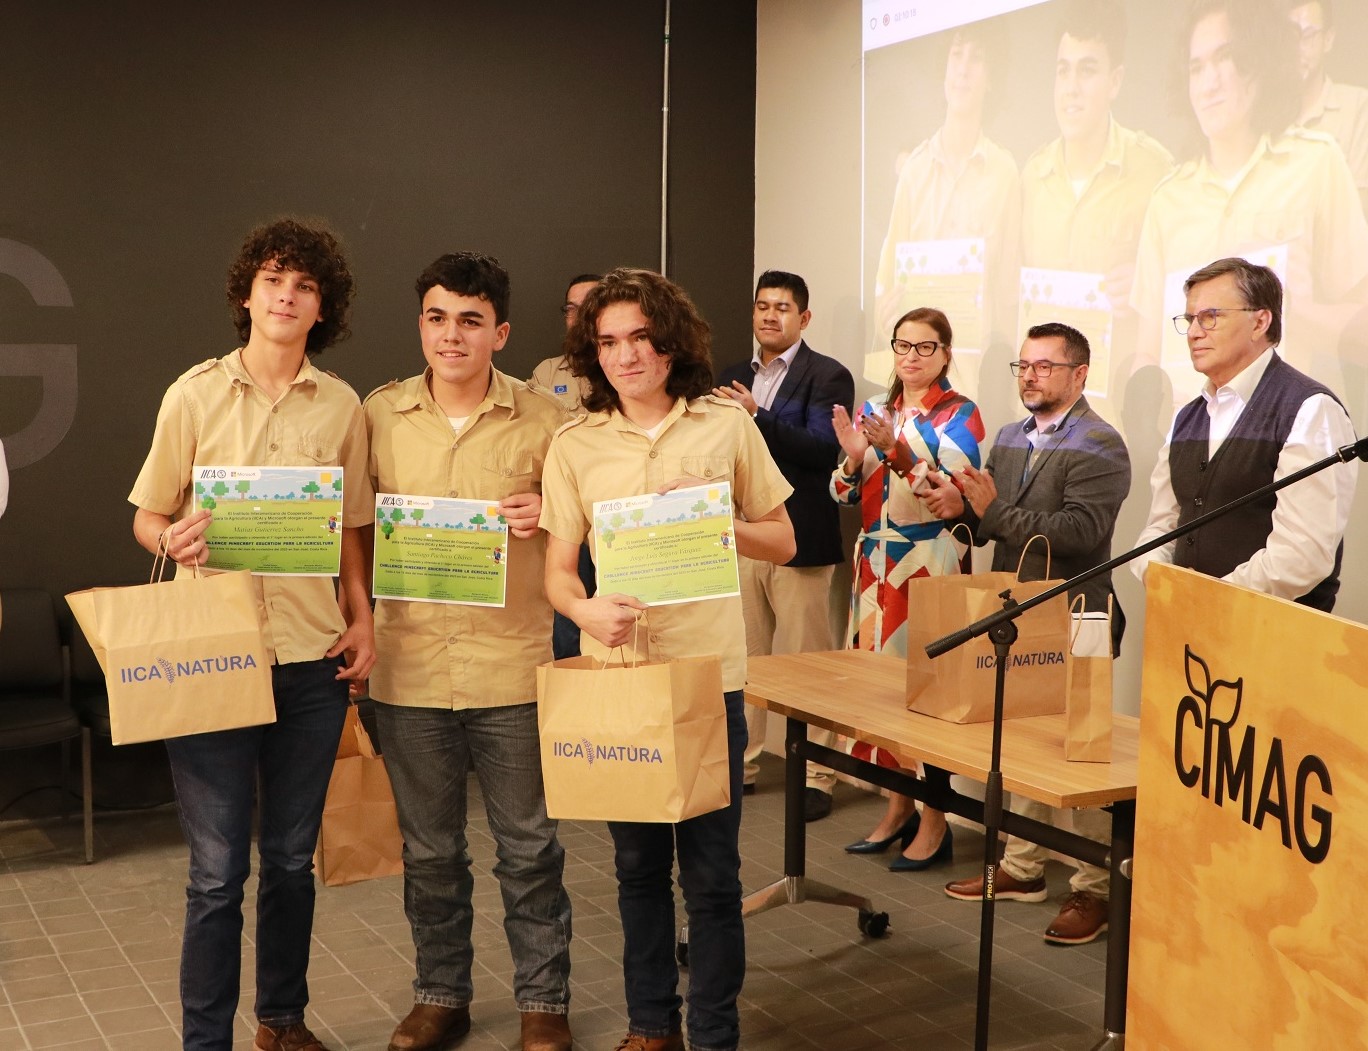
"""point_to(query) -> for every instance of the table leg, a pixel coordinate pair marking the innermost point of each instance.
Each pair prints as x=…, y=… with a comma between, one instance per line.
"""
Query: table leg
x=1118, y=927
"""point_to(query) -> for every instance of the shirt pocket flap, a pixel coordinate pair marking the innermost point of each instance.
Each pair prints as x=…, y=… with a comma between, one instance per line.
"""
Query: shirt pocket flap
x=318, y=450
x=709, y=468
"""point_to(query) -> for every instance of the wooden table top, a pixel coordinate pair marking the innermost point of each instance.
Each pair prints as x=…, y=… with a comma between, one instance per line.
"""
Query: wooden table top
x=862, y=694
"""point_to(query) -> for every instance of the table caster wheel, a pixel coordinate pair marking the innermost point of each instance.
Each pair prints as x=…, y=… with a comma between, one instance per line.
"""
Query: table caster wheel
x=873, y=924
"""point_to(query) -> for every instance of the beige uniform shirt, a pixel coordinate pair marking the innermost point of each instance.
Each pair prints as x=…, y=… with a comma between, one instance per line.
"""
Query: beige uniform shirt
x=935, y=200
x=605, y=455
x=1098, y=231
x=1294, y=192
x=439, y=655
x=553, y=377
x=1342, y=113
x=215, y=414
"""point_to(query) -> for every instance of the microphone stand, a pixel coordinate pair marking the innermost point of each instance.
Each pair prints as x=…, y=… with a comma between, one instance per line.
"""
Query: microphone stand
x=1002, y=629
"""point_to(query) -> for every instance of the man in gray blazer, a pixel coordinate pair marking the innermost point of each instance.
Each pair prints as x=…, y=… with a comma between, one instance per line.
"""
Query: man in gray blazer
x=1063, y=473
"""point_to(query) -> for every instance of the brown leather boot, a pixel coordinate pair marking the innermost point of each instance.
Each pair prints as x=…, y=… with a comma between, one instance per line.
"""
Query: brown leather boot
x=637, y=1042
x=291, y=1038
x=545, y=1031
x=430, y=1026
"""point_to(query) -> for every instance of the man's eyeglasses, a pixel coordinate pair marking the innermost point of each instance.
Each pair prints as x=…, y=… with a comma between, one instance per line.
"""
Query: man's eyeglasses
x=924, y=349
x=1208, y=319
x=569, y=310
x=1042, y=369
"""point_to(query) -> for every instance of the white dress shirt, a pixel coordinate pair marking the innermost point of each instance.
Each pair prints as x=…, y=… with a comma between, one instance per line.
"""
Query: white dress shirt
x=1310, y=517
x=769, y=377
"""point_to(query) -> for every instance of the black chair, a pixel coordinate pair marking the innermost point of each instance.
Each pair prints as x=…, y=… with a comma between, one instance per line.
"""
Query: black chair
x=35, y=700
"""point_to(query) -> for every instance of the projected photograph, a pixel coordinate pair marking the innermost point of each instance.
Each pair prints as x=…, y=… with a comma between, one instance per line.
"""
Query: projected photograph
x=1076, y=160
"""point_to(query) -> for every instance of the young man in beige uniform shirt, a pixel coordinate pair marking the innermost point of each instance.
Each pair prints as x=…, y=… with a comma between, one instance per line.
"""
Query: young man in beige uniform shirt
x=653, y=427
x=456, y=684
x=264, y=405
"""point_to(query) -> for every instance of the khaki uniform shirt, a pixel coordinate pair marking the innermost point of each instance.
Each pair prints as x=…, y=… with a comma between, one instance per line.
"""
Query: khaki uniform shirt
x=605, y=455
x=440, y=655
x=1342, y=113
x=1098, y=231
x=935, y=201
x=1295, y=191
x=553, y=377
x=216, y=414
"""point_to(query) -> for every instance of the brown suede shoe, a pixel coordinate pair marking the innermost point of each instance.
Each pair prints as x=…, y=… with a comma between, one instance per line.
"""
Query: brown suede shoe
x=1005, y=888
x=292, y=1038
x=1083, y=918
x=430, y=1026
x=637, y=1042
x=545, y=1031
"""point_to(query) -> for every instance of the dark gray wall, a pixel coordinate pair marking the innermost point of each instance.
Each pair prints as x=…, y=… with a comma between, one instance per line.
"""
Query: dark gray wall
x=139, y=142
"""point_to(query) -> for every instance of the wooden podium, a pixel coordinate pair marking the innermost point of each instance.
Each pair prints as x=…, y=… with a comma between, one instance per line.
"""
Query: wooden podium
x=1251, y=825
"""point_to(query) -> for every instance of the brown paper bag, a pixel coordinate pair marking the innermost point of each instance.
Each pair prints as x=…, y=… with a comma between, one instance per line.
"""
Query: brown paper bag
x=359, y=838
x=1088, y=709
x=958, y=686
x=180, y=657
x=633, y=742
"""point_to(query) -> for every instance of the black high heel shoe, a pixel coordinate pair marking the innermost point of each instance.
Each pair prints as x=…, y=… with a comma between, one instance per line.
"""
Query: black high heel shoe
x=944, y=854
x=905, y=835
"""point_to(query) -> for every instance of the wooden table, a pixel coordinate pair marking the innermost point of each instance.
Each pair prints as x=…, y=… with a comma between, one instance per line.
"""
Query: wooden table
x=862, y=695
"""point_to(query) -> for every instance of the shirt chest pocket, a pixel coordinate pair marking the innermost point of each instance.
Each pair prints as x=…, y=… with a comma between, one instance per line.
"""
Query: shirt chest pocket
x=708, y=468
x=507, y=474
x=313, y=449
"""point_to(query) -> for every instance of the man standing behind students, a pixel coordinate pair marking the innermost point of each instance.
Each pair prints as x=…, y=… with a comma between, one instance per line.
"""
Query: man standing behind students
x=456, y=684
x=264, y=404
x=789, y=390
x=552, y=375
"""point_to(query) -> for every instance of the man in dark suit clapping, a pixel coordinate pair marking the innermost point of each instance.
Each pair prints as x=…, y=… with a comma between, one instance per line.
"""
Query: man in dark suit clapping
x=789, y=390
x=1063, y=473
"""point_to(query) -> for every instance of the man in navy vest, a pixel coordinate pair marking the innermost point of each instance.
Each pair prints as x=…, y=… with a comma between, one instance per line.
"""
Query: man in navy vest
x=789, y=390
x=1257, y=420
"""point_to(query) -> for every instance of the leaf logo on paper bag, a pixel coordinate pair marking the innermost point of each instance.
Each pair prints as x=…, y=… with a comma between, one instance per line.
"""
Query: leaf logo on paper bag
x=613, y=753
x=164, y=670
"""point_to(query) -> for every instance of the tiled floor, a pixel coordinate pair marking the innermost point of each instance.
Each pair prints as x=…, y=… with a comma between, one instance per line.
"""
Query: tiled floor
x=89, y=954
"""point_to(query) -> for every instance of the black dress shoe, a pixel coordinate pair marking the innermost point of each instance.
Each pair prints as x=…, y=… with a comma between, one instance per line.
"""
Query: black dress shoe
x=816, y=804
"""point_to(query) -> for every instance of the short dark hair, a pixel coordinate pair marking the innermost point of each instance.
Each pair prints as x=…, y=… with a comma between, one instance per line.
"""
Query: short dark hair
x=580, y=279
x=468, y=274
x=783, y=279
x=1103, y=20
x=1263, y=47
x=309, y=247
x=1075, y=343
x=673, y=323
x=1259, y=287
x=938, y=321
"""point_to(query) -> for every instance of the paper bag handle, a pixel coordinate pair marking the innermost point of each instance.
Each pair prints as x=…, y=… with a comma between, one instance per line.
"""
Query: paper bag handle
x=639, y=618
x=1076, y=608
x=1027, y=546
x=965, y=526
x=162, y=557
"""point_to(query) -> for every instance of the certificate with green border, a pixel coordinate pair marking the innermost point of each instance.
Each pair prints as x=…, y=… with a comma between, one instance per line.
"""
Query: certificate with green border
x=431, y=549
x=661, y=549
x=274, y=521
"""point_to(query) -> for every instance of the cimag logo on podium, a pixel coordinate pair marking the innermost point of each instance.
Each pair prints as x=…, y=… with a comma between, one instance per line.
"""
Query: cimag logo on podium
x=1227, y=773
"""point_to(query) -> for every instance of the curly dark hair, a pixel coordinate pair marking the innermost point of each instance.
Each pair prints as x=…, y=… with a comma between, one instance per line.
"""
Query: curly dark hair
x=309, y=247
x=673, y=323
x=468, y=274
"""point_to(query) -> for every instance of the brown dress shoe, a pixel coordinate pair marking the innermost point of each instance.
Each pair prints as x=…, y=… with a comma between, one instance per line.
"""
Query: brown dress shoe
x=292, y=1038
x=637, y=1042
x=430, y=1026
x=1005, y=888
x=545, y=1031
x=1083, y=918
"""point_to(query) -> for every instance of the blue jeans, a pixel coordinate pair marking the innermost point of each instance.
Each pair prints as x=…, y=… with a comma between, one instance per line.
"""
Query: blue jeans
x=709, y=875
x=216, y=775
x=429, y=752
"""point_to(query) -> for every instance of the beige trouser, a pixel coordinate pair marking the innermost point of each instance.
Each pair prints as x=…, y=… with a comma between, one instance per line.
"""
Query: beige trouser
x=787, y=610
x=1025, y=861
